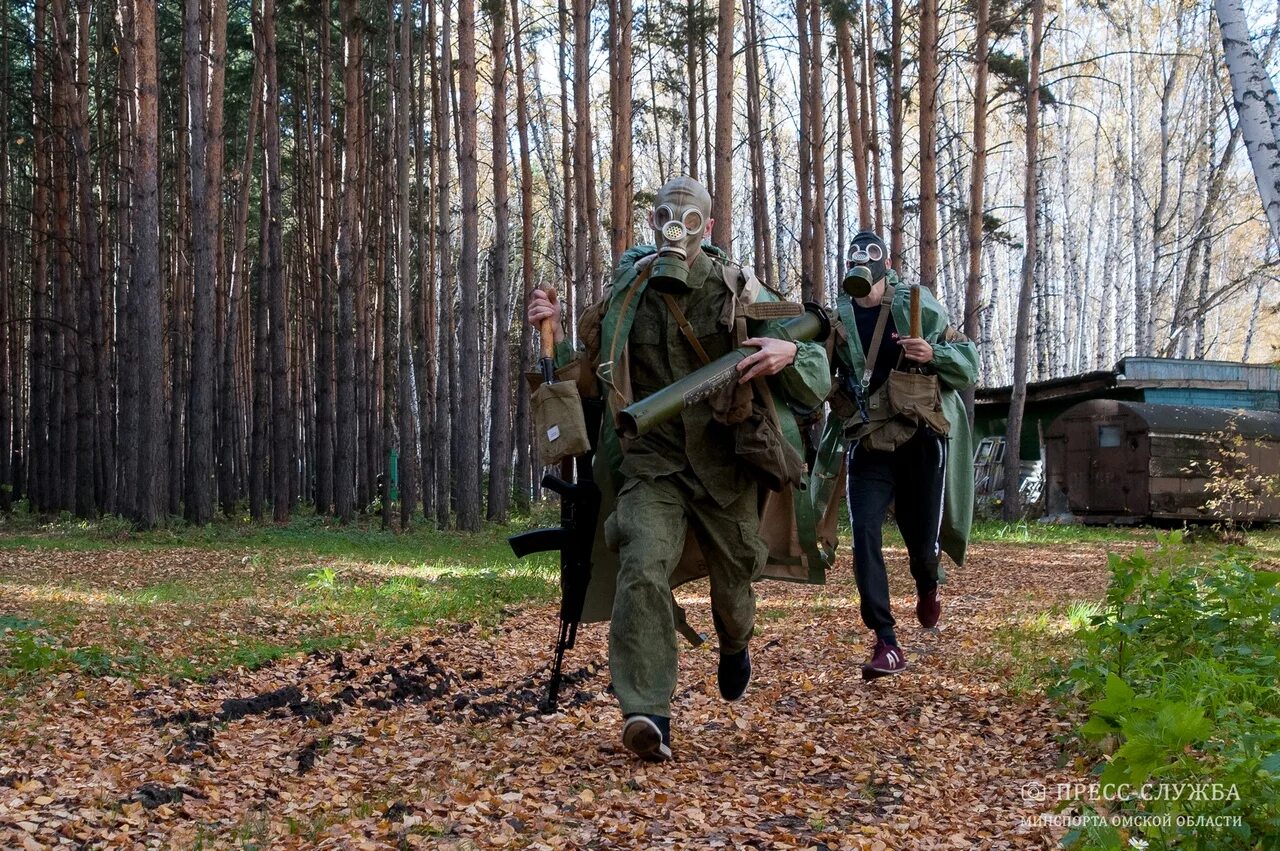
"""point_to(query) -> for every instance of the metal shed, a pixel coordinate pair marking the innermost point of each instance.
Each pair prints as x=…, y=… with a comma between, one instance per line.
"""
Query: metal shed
x=1111, y=461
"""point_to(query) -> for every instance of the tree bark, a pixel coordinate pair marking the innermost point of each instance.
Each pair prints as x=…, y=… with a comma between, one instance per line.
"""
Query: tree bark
x=282, y=424
x=523, y=428
x=977, y=182
x=344, y=480
x=620, y=178
x=468, y=518
x=762, y=258
x=722, y=202
x=853, y=126
x=1251, y=88
x=817, y=290
x=89, y=335
x=499, y=503
x=1018, y=397
x=929, y=143
x=897, y=204
x=444, y=350
x=230, y=458
x=148, y=326
x=408, y=471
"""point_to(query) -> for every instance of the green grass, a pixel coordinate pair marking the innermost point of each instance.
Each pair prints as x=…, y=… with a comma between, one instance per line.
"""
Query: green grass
x=297, y=588
x=404, y=602
x=307, y=533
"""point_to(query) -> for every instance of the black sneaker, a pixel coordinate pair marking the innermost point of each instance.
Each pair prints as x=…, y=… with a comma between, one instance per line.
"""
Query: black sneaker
x=648, y=737
x=733, y=674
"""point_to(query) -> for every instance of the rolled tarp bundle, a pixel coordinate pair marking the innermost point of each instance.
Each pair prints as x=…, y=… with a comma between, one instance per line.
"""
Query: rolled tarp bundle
x=646, y=414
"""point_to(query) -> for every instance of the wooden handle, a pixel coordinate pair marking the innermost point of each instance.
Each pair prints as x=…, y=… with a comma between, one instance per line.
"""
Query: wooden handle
x=915, y=311
x=547, y=330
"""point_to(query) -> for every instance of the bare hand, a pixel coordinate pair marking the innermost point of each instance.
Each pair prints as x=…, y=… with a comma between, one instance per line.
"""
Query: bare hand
x=774, y=356
x=916, y=349
x=541, y=309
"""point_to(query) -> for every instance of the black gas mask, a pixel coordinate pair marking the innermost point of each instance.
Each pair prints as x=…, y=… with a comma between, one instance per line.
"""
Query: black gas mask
x=679, y=219
x=868, y=262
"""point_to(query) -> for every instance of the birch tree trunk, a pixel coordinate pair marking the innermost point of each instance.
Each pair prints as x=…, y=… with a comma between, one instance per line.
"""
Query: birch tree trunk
x=1252, y=88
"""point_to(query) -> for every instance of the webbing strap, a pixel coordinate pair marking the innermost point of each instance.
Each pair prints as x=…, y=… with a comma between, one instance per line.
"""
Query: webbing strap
x=886, y=306
x=685, y=327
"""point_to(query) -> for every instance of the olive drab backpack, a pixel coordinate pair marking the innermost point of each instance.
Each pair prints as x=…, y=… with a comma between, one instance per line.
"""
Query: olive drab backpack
x=797, y=521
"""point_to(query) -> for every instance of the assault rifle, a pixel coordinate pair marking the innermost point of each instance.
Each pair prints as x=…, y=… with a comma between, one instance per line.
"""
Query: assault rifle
x=575, y=536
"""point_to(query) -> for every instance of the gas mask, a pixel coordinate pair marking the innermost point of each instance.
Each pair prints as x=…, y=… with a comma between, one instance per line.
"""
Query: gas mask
x=679, y=219
x=867, y=263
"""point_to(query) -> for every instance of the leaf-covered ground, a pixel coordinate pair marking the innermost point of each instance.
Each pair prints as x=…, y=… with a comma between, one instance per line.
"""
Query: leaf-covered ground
x=338, y=728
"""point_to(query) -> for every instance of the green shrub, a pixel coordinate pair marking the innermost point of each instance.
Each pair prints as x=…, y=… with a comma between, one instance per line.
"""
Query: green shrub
x=1179, y=671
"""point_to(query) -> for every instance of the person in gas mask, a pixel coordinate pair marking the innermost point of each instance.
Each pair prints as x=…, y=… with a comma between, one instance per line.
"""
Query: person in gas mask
x=670, y=309
x=898, y=402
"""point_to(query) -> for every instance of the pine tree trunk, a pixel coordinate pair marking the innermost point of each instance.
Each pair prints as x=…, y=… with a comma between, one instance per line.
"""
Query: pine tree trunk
x=89, y=337
x=282, y=425
x=468, y=474
x=499, y=502
x=126, y=474
x=929, y=143
x=804, y=69
x=260, y=455
x=146, y=294
x=977, y=182
x=444, y=348
x=39, y=454
x=344, y=478
x=229, y=454
x=691, y=93
x=817, y=289
x=1018, y=398
x=8, y=395
x=722, y=203
x=425, y=317
x=523, y=427
x=408, y=472
x=852, y=126
x=897, y=214
x=621, y=190
x=763, y=259
x=325, y=378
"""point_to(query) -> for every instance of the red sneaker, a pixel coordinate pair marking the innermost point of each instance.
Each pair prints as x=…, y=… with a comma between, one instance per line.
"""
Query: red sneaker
x=885, y=659
x=928, y=609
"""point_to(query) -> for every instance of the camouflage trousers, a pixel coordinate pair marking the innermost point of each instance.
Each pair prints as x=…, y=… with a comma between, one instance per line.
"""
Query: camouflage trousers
x=653, y=518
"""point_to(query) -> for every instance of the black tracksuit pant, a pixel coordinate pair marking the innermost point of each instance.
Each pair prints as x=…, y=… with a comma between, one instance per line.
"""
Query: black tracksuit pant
x=913, y=478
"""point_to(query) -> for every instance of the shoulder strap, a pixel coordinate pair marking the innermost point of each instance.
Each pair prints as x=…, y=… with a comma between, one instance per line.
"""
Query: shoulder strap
x=886, y=306
x=685, y=327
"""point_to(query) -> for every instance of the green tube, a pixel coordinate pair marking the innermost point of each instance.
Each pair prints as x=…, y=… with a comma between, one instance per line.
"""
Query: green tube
x=643, y=416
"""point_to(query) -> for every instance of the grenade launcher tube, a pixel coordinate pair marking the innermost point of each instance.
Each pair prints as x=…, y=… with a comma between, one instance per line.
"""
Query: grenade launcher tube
x=643, y=416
